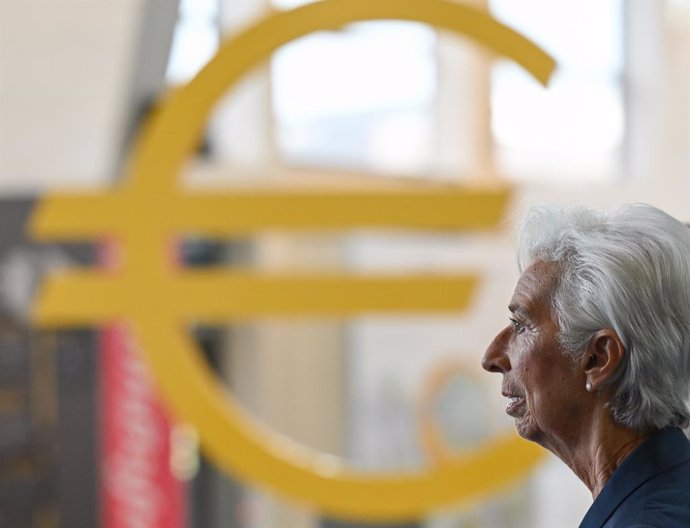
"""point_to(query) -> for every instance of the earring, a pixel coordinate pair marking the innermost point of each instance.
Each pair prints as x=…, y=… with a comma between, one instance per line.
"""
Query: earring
x=588, y=386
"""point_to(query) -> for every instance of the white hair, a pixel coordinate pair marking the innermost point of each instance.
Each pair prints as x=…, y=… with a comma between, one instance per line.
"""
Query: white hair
x=626, y=269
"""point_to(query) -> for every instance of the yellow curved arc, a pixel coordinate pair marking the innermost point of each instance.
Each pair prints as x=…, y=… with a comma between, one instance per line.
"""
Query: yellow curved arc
x=181, y=120
x=255, y=455
x=245, y=449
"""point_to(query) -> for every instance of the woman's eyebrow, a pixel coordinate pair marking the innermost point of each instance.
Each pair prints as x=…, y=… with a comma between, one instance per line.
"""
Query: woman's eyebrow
x=518, y=310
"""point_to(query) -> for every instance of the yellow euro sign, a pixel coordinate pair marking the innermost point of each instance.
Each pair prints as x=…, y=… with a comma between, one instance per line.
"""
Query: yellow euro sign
x=156, y=299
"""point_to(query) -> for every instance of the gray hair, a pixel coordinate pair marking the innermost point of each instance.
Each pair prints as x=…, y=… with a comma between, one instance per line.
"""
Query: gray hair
x=626, y=269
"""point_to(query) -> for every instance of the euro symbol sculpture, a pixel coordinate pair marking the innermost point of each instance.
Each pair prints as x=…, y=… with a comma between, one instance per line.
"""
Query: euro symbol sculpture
x=147, y=210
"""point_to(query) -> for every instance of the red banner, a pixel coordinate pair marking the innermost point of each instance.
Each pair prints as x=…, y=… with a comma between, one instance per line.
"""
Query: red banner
x=138, y=487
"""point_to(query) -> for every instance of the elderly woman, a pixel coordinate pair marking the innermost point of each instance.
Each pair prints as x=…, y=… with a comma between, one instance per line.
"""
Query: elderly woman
x=596, y=357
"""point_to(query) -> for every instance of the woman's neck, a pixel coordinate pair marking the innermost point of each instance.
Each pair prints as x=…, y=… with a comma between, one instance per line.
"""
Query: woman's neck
x=599, y=449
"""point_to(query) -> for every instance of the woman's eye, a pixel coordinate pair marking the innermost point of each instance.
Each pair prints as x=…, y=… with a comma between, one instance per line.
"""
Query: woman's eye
x=517, y=325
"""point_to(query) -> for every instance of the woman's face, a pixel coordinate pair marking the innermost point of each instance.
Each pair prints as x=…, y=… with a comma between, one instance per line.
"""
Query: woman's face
x=544, y=387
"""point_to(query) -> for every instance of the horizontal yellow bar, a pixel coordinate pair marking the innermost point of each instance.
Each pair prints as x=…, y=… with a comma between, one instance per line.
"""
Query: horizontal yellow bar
x=241, y=213
x=222, y=295
x=212, y=296
x=80, y=299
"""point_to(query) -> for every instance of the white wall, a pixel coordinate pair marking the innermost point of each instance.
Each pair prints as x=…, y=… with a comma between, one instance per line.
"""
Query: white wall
x=64, y=73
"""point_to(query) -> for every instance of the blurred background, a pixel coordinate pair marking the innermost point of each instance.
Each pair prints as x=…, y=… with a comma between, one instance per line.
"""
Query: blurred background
x=371, y=103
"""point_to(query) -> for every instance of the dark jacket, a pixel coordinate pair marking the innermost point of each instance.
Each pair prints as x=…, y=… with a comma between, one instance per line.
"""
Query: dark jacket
x=651, y=488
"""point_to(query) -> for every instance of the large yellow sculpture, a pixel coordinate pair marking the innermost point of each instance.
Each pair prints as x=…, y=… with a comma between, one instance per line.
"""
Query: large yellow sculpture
x=147, y=210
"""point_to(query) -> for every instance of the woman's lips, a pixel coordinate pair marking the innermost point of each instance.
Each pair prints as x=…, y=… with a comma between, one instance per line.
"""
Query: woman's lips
x=515, y=406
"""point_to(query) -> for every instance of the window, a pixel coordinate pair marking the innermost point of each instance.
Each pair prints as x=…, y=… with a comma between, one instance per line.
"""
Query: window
x=358, y=98
x=195, y=40
x=573, y=130
x=367, y=97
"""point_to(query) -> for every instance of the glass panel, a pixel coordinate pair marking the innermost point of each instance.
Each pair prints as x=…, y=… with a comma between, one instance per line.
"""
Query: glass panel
x=195, y=41
x=360, y=98
x=577, y=124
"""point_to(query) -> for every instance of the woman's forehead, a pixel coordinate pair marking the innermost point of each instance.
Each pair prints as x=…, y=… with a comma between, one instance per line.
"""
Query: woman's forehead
x=535, y=286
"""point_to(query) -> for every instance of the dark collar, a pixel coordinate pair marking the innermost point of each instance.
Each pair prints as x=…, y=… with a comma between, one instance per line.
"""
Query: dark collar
x=662, y=451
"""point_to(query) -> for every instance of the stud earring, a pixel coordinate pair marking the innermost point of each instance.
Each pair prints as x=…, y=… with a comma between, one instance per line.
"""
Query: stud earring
x=588, y=386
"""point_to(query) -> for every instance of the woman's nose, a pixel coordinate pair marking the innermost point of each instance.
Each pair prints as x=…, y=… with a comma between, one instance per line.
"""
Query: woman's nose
x=495, y=358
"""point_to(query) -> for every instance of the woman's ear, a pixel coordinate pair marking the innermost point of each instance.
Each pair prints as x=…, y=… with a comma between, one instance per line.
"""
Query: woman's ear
x=602, y=358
